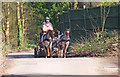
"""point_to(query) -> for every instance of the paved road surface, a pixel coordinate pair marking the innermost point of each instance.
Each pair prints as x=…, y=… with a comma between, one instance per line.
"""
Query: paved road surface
x=24, y=64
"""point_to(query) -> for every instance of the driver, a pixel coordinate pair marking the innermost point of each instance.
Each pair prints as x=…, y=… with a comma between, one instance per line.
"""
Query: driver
x=45, y=27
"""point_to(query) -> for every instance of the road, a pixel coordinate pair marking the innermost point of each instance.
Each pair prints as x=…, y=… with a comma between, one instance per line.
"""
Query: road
x=23, y=63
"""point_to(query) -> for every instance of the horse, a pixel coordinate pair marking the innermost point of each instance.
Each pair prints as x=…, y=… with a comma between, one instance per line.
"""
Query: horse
x=47, y=42
x=57, y=35
x=64, y=43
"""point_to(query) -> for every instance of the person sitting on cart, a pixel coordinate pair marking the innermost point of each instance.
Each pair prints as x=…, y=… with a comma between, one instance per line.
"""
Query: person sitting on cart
x=45, y=27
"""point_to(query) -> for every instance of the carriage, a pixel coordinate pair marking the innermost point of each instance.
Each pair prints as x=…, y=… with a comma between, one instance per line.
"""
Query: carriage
x=54, y=47
x=40, y=52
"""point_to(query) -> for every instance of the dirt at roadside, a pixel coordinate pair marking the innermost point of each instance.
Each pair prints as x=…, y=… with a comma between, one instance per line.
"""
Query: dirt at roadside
x=3, y=65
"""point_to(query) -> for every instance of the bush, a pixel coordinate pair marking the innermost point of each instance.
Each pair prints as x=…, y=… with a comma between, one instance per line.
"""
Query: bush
x=96, y=44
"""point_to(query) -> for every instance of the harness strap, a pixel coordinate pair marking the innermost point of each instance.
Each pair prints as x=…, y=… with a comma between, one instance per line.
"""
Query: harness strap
x=65, y=40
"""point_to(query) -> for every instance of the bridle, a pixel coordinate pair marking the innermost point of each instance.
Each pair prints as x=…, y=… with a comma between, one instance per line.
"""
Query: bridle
x=67, y=33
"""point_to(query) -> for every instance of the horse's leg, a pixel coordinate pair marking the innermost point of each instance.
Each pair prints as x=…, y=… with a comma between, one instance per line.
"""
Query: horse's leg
x=45, y=49
x=48, y=53
x=58, y=52
x=65, y=50
x=62, y=53
x=51, y=52
x=50, y=48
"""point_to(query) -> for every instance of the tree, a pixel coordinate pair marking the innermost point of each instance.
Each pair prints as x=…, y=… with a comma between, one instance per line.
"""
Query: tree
x=8, y=25
x=4, y=23
x=19, y=25
x=105, y=15
x=22, y=22
x=75, y=4
x=50, y=9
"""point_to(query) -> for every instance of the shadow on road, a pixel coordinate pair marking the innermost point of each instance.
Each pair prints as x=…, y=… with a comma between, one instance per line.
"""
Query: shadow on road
x=59, y=76
x=20, y=56
x=27, y=56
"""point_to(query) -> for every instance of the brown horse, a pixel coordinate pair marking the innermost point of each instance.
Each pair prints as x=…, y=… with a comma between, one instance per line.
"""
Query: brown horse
x=64, y=43
x=47, y=43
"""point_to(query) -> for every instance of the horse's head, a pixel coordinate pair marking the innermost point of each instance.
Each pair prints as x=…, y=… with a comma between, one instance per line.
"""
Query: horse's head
x=50, y=33
x=67, y=32
x=57, y=33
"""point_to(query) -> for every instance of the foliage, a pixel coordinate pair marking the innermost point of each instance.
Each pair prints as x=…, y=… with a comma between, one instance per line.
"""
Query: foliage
x=34, y=14
x=50, y=9
x=98, y=43
x=108, y=3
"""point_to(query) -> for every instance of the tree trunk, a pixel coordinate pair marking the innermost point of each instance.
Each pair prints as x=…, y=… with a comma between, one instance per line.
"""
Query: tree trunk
x=90, y=4
x=71, y=5
x=3, y=23
x=8, y=25
x=104, y=18
x=19, y=25
x=80, y=4
x=22, y=22
x=4, y=32
x=75, y=4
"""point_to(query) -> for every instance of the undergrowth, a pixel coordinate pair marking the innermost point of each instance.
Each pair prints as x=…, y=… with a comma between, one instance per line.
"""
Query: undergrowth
x=97, y=44
x=28, y=46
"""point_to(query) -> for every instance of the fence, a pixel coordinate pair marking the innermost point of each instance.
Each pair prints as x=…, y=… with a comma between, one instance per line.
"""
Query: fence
x=84, y=21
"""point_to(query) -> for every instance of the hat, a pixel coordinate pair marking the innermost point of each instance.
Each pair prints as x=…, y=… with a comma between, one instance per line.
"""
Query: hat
x=47, y=17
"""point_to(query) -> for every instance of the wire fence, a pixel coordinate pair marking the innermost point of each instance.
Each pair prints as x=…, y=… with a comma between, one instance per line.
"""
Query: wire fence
x=84, y=21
